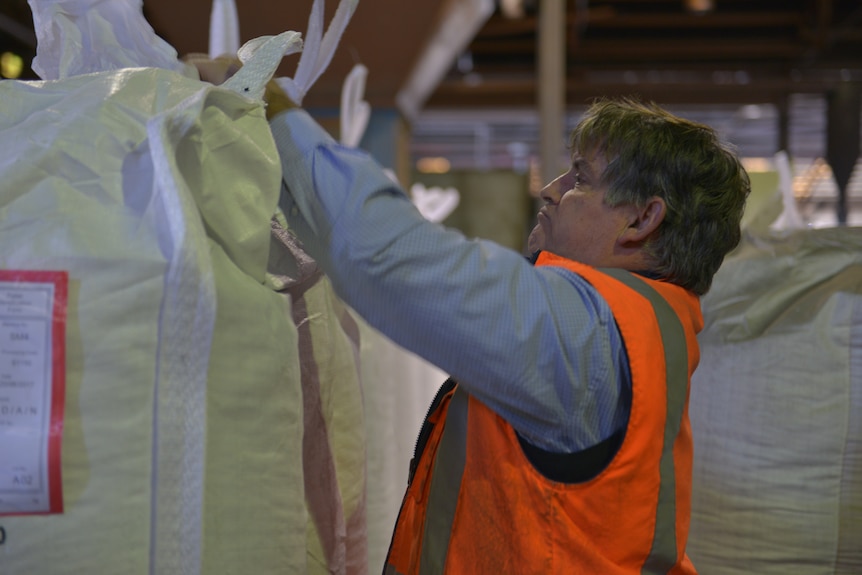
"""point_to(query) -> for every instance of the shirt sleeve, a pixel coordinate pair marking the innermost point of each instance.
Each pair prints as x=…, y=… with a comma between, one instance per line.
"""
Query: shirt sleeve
x=539, y=346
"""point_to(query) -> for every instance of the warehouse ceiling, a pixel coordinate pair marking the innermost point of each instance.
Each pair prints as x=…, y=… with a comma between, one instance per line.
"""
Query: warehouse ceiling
x=464, y=72
x=672, y=51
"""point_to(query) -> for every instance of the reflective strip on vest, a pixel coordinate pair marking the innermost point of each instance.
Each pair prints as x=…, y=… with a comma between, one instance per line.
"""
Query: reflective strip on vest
x=452, y=451
x=663, y=553
x=445, y=486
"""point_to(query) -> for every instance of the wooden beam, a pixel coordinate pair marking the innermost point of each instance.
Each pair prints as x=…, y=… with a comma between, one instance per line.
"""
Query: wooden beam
x=639, y=49
x=686, y=20
x=521, y=91
x=608, y=18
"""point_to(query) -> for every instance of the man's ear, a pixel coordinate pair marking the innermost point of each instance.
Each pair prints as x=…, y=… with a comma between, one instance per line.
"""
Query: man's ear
x=644, y=221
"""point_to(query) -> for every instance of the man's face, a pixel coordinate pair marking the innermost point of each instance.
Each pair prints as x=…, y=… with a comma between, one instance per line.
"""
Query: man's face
x=575, y=221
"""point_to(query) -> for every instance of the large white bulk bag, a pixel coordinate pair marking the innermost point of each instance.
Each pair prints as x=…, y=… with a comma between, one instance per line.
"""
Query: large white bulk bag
x=182, y=428
x=776, y=409
x=398, y=388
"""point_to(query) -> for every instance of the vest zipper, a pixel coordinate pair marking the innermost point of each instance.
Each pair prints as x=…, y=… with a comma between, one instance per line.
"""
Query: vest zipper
x=425, y=431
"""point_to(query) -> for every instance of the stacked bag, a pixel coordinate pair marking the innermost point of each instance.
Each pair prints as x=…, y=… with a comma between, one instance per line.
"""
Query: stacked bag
x=776, y=408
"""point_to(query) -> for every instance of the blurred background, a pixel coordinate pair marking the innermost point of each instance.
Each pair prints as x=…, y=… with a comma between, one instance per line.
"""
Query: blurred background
x=479, y=95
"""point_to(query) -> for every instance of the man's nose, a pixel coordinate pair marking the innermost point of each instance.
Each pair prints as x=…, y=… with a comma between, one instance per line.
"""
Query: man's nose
x=550, y=194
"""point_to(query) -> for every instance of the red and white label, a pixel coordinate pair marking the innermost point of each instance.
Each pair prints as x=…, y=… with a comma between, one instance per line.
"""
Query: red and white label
x=32, y=390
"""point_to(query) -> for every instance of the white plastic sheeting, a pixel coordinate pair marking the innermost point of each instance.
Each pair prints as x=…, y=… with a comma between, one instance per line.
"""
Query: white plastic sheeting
x=776, y=409
x=399, y=388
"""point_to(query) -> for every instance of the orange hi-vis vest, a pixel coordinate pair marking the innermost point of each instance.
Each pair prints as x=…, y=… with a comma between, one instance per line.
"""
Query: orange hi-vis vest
x=476, y=505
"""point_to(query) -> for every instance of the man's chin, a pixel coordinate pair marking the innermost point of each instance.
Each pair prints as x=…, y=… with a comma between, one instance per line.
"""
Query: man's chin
x=536, y=240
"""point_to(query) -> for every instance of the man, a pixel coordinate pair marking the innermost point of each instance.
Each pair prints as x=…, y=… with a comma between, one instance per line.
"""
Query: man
x=564, y=446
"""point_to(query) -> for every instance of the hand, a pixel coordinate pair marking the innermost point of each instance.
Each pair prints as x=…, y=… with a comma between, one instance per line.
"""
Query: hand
x=218, y=70
x=213, y=70
x=277, y=100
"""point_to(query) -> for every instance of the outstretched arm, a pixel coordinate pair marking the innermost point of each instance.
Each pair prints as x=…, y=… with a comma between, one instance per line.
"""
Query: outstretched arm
x=523, y=340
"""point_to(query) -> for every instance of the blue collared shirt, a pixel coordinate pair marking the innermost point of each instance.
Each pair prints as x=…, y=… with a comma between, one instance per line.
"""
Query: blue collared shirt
x=539, y=346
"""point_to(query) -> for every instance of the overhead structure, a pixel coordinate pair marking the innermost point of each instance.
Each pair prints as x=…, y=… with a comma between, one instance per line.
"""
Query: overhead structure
x=672, y=51
x=551, y=91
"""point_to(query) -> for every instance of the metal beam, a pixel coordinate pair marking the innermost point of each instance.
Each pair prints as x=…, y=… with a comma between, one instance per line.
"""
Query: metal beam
x=646, y=49
x=842, y=137
x=460, y=21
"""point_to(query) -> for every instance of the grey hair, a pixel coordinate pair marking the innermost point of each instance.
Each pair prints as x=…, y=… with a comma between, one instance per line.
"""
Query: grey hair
x=652, y=153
